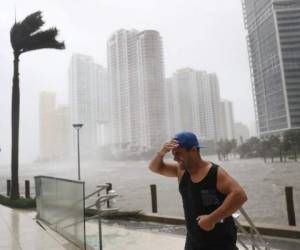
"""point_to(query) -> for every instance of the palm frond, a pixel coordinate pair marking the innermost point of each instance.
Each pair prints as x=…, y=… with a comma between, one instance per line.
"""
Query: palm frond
x=17, y=36
x=42, y=40
x=20, y=31
x=26, y=35
x=32, y=23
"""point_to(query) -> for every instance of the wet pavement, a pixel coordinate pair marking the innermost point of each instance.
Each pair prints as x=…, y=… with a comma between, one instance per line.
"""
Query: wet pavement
x=19, y=230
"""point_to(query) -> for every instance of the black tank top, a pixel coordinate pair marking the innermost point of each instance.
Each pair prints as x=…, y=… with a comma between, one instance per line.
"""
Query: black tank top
x=203, y=198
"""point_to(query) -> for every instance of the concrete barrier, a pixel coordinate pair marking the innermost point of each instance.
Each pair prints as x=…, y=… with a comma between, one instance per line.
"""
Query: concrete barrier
x=265, y=229
x=289, y=232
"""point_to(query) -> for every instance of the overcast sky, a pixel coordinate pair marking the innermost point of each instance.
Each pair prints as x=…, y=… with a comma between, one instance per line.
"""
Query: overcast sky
x=201, y=34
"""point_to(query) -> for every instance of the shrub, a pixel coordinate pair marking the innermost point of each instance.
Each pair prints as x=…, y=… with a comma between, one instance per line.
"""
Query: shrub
x=19, y=203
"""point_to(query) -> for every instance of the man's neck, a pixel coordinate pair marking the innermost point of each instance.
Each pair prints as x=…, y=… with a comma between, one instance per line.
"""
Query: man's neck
x=198, y=167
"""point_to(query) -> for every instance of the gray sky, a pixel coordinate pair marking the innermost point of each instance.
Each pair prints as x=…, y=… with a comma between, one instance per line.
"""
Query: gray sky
x=204, y=35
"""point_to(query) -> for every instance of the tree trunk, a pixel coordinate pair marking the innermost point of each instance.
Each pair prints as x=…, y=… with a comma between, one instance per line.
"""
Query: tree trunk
x=280, y=155
x=15, y=117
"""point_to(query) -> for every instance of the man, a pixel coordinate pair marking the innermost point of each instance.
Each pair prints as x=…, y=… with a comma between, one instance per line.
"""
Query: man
x=210, y=196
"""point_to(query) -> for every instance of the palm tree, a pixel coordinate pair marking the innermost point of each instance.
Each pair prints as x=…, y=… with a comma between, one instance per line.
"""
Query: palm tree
x=25, y=36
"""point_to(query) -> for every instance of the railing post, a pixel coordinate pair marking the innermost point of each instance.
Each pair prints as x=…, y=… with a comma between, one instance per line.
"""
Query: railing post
x=290, y=206
x=154, y=198
x=27, y=189
x=252, y=238
x=109, y=187
x=98, y=205
x=8, y=184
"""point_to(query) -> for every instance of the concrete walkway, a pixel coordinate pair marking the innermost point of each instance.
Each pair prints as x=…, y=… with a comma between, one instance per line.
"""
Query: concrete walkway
x=116, y=237
x=19, y=231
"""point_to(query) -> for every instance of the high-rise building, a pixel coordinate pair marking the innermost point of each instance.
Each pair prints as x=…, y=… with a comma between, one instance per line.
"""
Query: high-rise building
x=213, y=101
x=47, y=105
x=55, y=128
x=63, y=131
x=136, y=76
x=227, y=120
x=185, y=96
x=172, y=107
x=273, y=44
x=103, y=106
x=87, y=87
x=241, y=132
x=151, y=85
x=193, y=103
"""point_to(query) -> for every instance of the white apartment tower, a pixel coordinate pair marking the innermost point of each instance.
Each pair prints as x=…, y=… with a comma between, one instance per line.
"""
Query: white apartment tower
x=86, y=83
x=241, y=132
x=63, y=133
x=55, y=129
x=103, y=106
x=47, y=107
x=193, y=103
x=227, y=120
x=136, y=76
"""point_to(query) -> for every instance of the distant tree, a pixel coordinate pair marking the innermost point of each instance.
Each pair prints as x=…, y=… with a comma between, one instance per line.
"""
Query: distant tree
x=221, y=149
x=233, y=146
x=291, y=142
x=250, y=148
x=25, y=36
x=265, y=149
x=274, y=143
x=243, y=150
x=225, y=147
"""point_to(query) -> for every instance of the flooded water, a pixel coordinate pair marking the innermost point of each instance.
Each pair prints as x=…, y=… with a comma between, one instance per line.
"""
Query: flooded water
x=264, y=184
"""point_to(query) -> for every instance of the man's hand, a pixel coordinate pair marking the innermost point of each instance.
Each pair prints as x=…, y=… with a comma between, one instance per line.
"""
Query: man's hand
x=205, y=222
x=157, y=164
x=170, y=145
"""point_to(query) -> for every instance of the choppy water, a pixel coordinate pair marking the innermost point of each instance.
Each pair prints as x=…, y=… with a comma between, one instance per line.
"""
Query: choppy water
x=264, y=184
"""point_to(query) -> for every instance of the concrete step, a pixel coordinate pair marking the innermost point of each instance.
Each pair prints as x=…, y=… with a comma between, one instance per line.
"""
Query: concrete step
x=116, y=237
x=18, y=230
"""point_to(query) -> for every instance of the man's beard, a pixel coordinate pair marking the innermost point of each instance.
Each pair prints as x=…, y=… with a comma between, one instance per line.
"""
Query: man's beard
x=183, y=165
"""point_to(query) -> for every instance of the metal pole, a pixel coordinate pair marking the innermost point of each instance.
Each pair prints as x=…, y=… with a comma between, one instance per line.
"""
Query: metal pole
x=8, y=185
x=78, y=154
x=98, y=204
x=153, y=198
x=109, y=187
x=27, y=189
x=290, y=206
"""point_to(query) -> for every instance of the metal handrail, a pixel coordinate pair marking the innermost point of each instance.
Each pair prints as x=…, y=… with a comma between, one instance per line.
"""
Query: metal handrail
x=102, y=212
x=251, y=237
x=97, y=203
x=101, y=187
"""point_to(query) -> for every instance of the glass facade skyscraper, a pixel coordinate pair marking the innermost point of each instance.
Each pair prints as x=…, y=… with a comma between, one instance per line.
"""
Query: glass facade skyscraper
x=274, y=54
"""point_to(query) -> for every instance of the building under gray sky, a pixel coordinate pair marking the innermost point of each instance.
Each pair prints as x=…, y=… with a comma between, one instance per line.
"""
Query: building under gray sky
x=241, y=132
x=47, y=106
x=194, y=103
x=274, y=51
x=136, y=75
x=83, y=99
x=227, y=120
x=55, y=129
x=191, y=33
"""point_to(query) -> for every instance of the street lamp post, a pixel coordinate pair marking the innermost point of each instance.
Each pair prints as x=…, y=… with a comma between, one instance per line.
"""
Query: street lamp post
x=78, y=126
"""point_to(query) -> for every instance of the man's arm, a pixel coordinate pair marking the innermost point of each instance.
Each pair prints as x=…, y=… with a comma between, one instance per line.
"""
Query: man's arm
x=235, y=198
x=158, y=165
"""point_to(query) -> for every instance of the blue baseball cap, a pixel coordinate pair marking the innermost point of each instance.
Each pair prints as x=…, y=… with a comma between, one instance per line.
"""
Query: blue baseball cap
x=187, y=140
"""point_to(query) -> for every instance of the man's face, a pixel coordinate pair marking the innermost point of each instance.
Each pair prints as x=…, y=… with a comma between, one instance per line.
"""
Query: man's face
x=182, y=156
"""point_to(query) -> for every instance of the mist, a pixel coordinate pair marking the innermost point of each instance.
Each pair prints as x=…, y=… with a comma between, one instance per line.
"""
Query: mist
x=202, y=35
